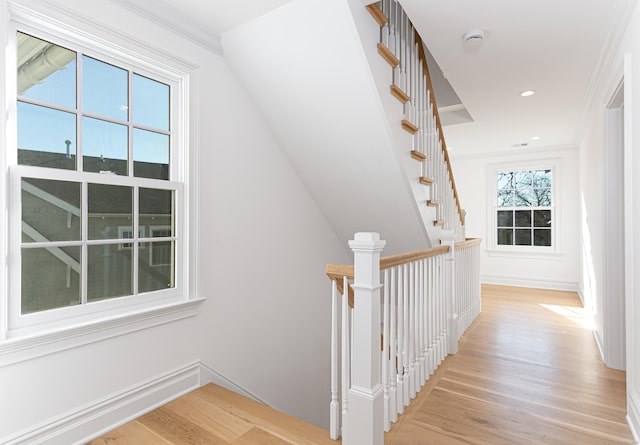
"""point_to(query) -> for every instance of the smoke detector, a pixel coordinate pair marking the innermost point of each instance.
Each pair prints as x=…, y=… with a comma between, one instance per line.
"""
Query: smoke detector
x=474, y=37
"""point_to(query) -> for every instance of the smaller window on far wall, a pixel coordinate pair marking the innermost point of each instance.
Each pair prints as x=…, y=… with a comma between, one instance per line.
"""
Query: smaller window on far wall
x=524, y=213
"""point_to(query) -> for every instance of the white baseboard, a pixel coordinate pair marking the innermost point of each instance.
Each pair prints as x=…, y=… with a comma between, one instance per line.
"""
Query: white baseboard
x=208, y=375
x=504, y=280
x=95, y=419
x=633, y=416
x=598, y=339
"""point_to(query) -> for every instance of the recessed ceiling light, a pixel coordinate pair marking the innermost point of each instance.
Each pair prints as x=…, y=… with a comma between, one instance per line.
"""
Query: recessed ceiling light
x=535, y=138
x=527, y=93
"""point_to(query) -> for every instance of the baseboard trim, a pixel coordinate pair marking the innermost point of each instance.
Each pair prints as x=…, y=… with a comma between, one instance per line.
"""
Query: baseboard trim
x=209, y=375
x=633, y=416
x=598, y=339
x=92, y=420
x=503, y=280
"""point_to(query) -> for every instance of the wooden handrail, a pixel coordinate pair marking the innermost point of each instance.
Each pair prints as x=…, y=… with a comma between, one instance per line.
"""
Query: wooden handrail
x=469, y=242
x=432, y=97
x=338, y=271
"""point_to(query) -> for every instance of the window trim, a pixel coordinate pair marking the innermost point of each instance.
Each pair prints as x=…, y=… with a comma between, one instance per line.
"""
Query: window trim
x=495, y=249
x=94, y=38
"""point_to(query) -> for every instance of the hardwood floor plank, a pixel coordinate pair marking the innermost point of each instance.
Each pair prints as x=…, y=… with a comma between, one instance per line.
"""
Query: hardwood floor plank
x=131, y=433
x=178, y=430
x=258, y=436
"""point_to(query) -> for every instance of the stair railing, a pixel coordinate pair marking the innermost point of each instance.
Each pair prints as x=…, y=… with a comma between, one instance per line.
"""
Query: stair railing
x=402, y=47
x=394, y=320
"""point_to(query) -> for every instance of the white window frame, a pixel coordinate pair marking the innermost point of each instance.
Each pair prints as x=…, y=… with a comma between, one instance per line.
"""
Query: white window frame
x=22, y=337
x=493, y=248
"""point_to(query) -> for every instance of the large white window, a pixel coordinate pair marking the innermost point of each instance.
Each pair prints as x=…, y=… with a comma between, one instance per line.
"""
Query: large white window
x=523, y=214
x=98, y=158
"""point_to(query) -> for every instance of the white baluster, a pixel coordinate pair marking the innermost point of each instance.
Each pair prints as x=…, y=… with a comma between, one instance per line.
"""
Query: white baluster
x=405, y=335
x=393, y=396
x=385, y=350
x=334, y=407
x=412, y=328
x=346, y=365
x=400, y=349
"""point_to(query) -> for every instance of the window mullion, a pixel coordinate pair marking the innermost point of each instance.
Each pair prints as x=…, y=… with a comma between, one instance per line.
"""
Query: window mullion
x=130, y=124
x=136, y=236
x=84, y=257
x=79, y=148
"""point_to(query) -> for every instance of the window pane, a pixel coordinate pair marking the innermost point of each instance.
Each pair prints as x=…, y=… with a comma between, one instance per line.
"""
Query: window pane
x=156, y=211
x=156, y=271
x=505, y=181
x=523, y=179
x=542, y=237
x=110, y=206
x=50, y=210
x=104, y=146
x=50, y=278
x=150, y=103
x=105, y=89
x=46, y=137
x=150, y=154
x=523, y=237
x=523, y=198
x=542, y=197
x=505, y=237
x=46, y=72
x=505, y=218
x=542, y=218
x=542, y=179
x=505, y=198
x=523, y=218
x=108, y=272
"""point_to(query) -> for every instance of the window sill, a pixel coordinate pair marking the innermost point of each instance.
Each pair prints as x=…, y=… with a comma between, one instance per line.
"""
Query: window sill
x=525, y=254
x=18, y=349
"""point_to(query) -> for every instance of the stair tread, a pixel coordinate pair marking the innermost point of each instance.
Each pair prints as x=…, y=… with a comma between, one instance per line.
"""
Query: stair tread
x=377, y=14
x=399, y=94
x=426, y=181
x=409, y=126
x=388, y=55
x=418, y=156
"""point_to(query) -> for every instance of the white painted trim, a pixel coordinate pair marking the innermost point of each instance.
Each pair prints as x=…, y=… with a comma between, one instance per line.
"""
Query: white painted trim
x=613, y=329
x=174, y=20
x=94, y=419
x=505, y=280
x=633, y=416
x=599, y=343
x=605, y=61
x=515, y=153
x=209, y=375
x=50, y=342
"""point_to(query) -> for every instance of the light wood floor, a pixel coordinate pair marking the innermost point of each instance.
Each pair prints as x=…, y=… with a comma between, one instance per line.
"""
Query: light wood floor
x=527, y=372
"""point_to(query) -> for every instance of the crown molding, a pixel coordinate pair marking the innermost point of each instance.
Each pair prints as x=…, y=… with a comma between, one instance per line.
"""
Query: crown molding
x=175, y=21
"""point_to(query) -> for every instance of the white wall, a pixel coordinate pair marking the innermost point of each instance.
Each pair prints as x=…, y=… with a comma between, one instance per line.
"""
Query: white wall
x=262, y=248
x=473, y=175
x=592, y=146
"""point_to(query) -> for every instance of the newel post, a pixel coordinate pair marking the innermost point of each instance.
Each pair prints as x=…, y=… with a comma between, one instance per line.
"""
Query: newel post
x=448, y=238
x=366, y=401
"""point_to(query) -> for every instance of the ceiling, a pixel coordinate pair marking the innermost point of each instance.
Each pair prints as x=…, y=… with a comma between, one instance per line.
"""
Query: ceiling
x=550, y=46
